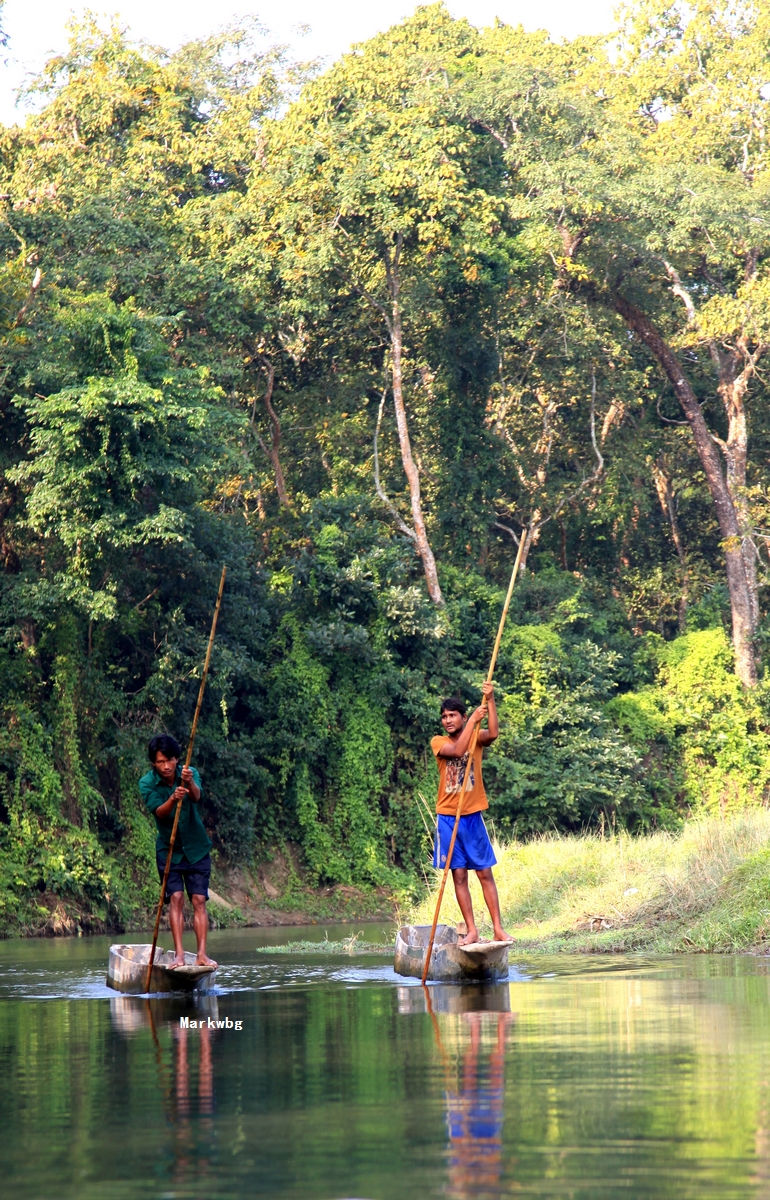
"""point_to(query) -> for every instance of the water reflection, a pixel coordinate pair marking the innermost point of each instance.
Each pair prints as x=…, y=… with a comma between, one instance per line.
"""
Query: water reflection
x=618, y=1078
x=472, y=1051
x=194, y=1142
x=188, y=1089
x=475, y=1109
x=130, y=1014
x=455, y=998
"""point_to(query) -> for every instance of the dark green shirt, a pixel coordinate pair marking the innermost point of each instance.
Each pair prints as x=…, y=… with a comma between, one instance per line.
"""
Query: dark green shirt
x=192, y=842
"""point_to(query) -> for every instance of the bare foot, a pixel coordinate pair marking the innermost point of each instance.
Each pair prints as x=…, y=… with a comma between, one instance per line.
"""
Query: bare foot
x=471, y=937
x=203, y=960
x=502, y=936
x=178, y=962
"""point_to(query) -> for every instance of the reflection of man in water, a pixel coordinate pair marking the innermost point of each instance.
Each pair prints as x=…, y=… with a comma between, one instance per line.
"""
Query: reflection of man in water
x=205, y=1073
x=475, y=1113
x=193, y=1145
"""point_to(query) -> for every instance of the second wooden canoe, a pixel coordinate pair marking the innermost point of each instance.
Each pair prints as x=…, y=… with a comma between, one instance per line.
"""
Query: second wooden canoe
x=127, y=971
x=486, y=962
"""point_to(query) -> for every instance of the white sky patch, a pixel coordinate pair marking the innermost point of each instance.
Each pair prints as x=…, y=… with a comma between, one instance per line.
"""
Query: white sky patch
x=37, y=27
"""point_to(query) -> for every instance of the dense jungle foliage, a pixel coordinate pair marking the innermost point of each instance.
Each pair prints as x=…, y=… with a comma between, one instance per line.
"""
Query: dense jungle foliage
x=356, y=333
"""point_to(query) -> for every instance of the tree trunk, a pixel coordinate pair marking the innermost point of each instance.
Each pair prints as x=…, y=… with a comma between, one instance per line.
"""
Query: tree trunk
x=563, y=555
x=734, y=368
x=410, y=467
x=732, y=389
x=531, y=535
x=743, y=610
x=273, y=450
x=663, y=487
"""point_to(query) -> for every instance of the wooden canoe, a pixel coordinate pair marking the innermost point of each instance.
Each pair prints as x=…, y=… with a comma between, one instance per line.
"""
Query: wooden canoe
x=127, y=971
x=486, y=962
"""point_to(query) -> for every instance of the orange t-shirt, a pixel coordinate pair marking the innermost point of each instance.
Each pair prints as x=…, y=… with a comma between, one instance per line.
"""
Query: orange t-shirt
x=451, y=781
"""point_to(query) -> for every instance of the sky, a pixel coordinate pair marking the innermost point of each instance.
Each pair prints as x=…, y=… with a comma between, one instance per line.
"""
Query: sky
x=36, y=28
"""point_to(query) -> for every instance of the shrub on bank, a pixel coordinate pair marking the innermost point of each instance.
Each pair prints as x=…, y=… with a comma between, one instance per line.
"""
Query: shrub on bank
x=697, y=722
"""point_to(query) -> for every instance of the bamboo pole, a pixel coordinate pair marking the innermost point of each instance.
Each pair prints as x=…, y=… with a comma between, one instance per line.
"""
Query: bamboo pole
x=471, y=752
x=188, y=759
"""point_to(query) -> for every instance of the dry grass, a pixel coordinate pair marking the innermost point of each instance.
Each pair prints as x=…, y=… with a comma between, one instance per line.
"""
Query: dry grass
x=706, y=888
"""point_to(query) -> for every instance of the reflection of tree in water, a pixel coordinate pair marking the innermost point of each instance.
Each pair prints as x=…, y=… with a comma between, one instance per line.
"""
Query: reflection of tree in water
x=760, y=1176
x=193, y=1140
x=475, y=1111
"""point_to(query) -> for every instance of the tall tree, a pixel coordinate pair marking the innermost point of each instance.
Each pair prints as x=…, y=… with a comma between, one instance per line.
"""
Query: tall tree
x=380, y=196
x=627, y=180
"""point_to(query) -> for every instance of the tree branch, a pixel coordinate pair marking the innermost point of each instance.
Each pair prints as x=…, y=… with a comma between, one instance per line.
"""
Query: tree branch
x=680, y=290
x=507, y=529
x=494, y=133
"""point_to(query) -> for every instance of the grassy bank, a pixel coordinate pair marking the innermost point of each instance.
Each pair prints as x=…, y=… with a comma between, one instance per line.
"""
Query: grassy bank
x=704, y=889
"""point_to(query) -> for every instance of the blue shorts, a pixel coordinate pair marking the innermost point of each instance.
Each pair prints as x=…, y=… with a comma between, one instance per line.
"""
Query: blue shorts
x=184, y=875
x=473, y=849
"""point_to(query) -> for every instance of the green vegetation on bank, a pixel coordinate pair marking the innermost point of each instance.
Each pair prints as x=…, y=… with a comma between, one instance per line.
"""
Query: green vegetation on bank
x=357, y=334
x=706, y=888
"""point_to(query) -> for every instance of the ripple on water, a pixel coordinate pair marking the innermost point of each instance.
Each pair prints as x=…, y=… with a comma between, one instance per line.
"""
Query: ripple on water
x=87, y=982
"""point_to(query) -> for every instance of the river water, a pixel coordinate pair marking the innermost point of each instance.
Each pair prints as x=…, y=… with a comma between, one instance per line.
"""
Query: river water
x=580, y=1077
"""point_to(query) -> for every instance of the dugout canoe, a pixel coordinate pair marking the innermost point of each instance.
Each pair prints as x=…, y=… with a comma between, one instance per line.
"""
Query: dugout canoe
x=485, y=962
x=127, y=971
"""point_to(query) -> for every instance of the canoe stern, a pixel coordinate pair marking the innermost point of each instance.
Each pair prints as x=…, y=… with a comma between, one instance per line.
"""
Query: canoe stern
x=127, y=971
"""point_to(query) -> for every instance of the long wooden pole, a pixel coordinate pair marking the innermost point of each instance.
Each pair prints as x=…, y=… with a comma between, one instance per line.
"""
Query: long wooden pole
x=188, y=760
x=471, y=752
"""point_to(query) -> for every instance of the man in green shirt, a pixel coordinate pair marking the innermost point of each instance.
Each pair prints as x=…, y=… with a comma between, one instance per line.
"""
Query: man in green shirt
x=190, y=867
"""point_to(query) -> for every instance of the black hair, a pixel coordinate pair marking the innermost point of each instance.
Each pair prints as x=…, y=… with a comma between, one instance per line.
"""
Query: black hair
x=453, y=704
x=163, y=743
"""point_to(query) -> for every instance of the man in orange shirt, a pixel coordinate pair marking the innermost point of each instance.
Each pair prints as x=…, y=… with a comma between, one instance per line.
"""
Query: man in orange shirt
x=461, y=781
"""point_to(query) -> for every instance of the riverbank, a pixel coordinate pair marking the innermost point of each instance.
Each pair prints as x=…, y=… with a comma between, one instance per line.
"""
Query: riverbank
x=274, y=895
x=271, y=894
x=706, y=889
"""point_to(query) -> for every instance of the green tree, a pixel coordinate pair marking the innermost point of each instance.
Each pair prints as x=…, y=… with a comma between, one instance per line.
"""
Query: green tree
x=639, y=217
x=384, y=197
